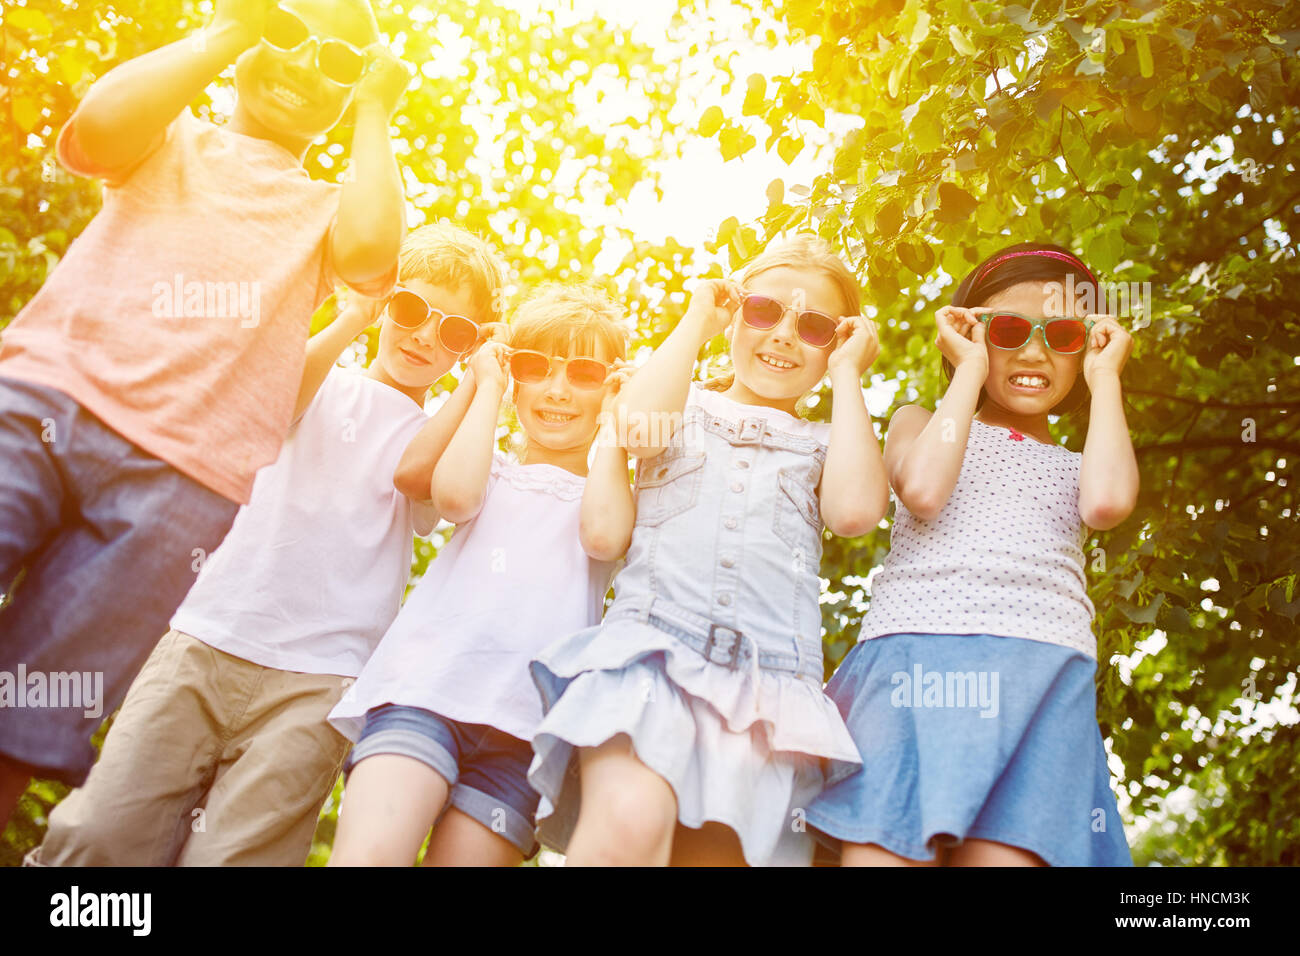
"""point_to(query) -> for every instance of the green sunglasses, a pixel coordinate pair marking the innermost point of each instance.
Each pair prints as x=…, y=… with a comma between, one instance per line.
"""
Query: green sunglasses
x=1011, y=330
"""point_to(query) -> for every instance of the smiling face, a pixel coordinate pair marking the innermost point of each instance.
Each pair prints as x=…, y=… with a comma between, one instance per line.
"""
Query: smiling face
x=1033, y=379
x=556, y=414
x=415, y=358
x=283, y=94
x=775, y=364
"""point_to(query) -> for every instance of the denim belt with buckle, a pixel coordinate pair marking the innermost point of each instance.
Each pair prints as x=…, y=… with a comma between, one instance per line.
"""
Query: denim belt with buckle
x=717, y=643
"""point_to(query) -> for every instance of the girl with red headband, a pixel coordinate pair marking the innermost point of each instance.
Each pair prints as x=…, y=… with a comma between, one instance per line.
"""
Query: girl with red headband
x=971, y=691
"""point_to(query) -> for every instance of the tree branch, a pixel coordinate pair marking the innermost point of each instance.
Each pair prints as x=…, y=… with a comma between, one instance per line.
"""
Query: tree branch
x=1195, y=444
x=1213, y=403
x=1217, y=253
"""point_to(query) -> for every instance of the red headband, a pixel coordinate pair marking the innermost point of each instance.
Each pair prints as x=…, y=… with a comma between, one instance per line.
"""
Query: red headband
x=1046, y=253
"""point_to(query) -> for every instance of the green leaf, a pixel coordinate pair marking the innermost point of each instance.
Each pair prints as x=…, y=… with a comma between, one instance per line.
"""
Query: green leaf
x=27, y=114
x=1140, y=615
x=894, y=81
x=922, y=28
x=711, y=121
x=1105, y=250
x=916, y=256
x=1146, y=65
x=29, y=20
x=960, y=43
x=755, y=93
x=734, y=142
x=889, y=219
x=955, y=204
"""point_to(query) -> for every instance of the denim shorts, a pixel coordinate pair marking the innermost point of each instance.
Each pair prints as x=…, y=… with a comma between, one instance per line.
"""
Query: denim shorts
x=486, y=768
x=99, y=543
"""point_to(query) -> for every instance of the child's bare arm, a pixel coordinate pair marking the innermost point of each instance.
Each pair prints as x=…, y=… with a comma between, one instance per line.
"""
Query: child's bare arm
x=660, y=387
x=924, y=453
x=854, y=489
x=414, y=475
x=124, y=115
x=368, y=232
x=1108, y=474
x=325, y=347
x=460, y=477
x=608, y=510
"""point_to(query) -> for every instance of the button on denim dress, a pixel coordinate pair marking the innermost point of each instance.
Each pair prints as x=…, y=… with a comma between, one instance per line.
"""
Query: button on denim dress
x=710, y=658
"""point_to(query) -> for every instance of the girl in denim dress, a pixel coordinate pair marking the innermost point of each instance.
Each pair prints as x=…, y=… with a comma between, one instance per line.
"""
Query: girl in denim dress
x=691, y=726
x=971, y=692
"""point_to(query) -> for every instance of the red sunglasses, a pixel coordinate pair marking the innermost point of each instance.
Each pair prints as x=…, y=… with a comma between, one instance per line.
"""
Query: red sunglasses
x=1011, y=330
x=763, y=312
x=409, y=310
x=529, y=367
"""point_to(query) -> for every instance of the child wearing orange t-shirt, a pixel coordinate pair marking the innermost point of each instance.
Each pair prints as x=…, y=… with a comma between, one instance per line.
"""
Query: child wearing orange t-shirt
x=158, y=367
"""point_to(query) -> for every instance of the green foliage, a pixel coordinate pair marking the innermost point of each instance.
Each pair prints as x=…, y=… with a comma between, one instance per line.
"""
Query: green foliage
x=1154, y=139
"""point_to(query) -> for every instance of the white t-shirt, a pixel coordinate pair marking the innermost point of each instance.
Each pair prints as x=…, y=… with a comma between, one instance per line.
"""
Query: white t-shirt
x=314, y=567
x=1003, y=557
x=511, y=581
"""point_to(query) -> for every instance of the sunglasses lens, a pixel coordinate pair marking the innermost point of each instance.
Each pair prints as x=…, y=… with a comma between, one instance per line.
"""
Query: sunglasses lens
x=760, y=312
x=457, y=334
x=586, y=373
x=816, y=329
x=407, y=309
x=340, y=62
x=283, y=30
x=1009, y=331
x=1066, y=335
x=529, y=368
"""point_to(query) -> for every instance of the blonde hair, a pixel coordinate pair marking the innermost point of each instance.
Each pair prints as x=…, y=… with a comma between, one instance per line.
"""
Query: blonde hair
x=805, y=252
x=564, y=320
x=577, y=319
x=447, y=255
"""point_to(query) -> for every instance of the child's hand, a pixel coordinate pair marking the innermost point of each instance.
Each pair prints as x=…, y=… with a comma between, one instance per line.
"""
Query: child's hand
x=385, y=79
x=493, y=332
x=354, y=305
x=713, y=303
x=245, y=18
x=488, y=366
x=857, y=345
x=487, y=332
x=620, y=372
x=961, y=338
x=1109, y=346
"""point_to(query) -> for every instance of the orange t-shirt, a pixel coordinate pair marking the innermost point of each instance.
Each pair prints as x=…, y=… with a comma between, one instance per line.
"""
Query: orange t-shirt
x=179, y=316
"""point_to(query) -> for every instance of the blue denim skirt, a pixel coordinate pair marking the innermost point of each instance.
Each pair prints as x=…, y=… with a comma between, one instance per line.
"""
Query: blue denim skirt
x=972, y=736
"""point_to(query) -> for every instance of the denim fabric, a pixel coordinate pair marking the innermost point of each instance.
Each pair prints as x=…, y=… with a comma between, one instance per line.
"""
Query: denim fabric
x=109, y=540
x=486, y=769
x=732, y=538
x=973, y=736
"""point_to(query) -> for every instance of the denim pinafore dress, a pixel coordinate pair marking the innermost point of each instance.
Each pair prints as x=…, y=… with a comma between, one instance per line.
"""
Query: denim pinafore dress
x=710, y=657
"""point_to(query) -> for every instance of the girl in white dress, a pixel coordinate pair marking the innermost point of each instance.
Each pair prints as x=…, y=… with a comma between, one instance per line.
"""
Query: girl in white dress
x=444, y=712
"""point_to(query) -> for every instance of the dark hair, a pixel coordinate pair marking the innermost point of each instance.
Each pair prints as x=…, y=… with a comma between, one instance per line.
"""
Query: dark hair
x=1013, y=265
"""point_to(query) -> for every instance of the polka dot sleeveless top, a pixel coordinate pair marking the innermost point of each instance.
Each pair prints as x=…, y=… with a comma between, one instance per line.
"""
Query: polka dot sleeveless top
x=1003, y=557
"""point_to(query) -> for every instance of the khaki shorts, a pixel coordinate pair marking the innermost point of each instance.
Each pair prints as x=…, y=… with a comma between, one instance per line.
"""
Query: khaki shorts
x=212, y=761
